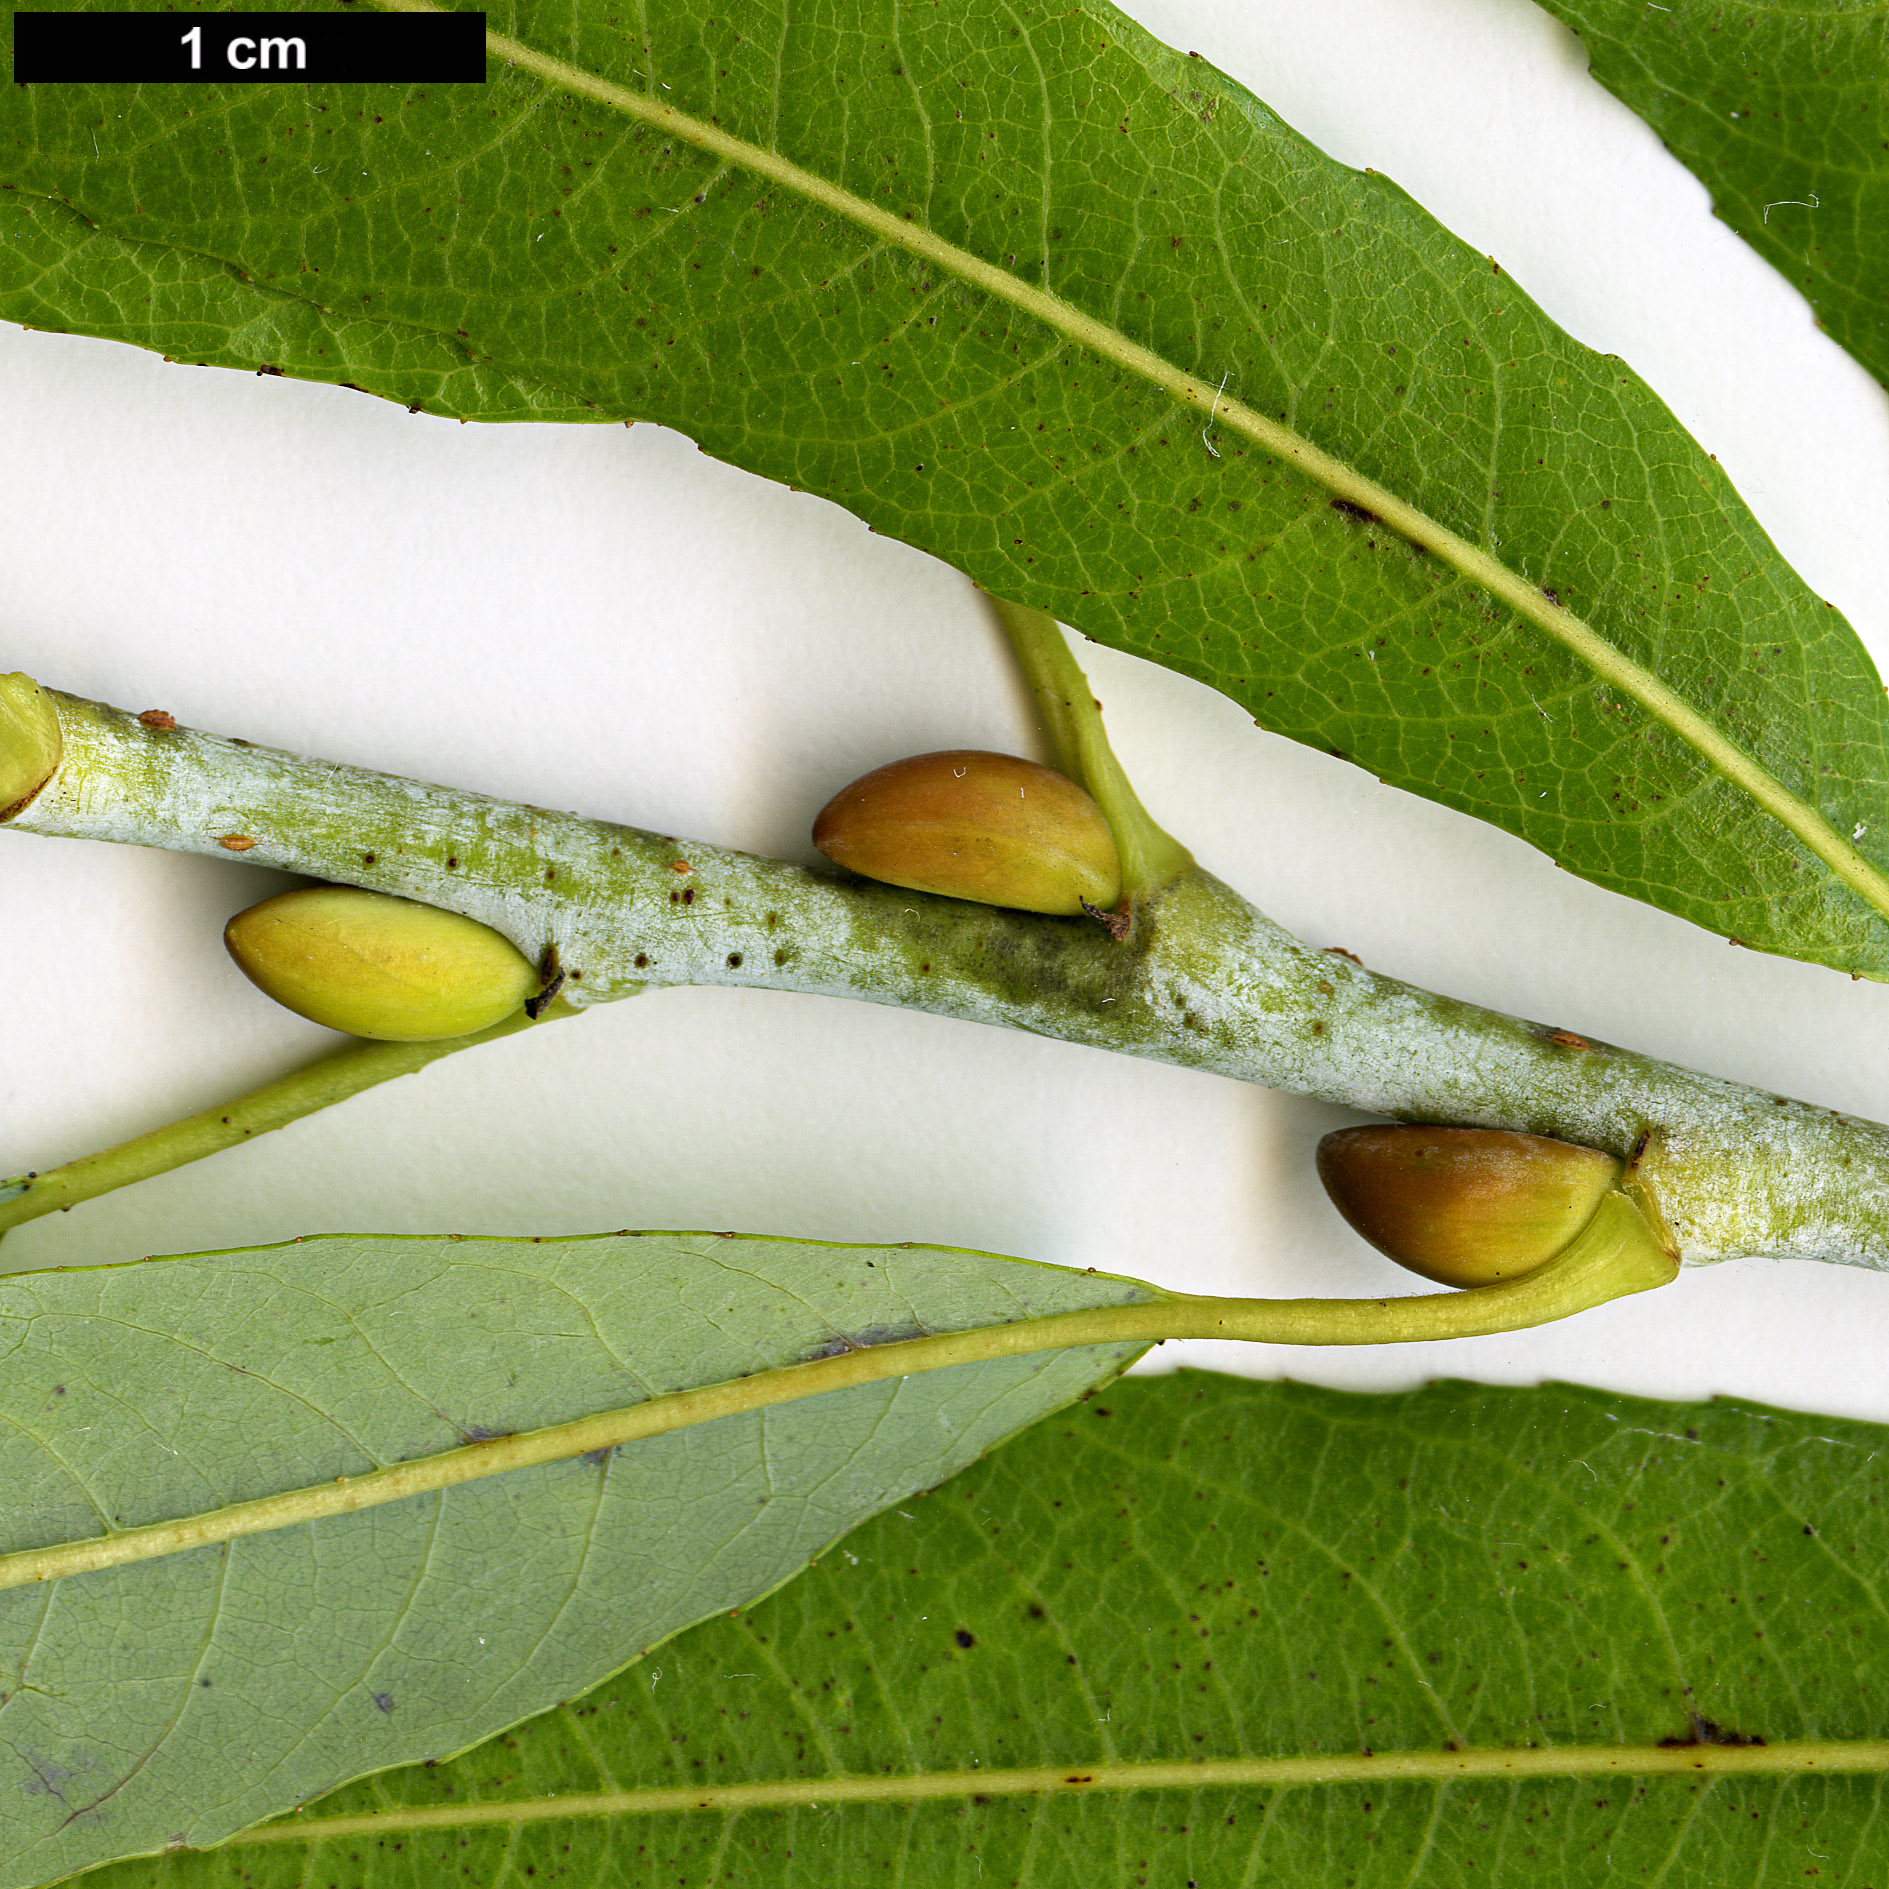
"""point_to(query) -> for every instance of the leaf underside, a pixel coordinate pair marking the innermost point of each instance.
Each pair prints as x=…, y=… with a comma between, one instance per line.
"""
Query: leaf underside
x=175, y=1700
x=1783, y=113
x=1198, y=1567
x=518, y=252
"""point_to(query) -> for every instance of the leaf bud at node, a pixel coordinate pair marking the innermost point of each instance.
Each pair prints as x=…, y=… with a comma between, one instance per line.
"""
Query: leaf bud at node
x=378, y=966
x=1464, y=1206
x=970, y=825
x=30, y=742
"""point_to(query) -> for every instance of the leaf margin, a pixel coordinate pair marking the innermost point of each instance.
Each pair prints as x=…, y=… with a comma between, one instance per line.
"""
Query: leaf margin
x=1347, y=487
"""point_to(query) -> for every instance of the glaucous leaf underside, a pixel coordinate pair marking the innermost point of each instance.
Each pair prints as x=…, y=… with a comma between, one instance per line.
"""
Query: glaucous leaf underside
x=1198, y=1570
x=177, y=1698
x=534, y=249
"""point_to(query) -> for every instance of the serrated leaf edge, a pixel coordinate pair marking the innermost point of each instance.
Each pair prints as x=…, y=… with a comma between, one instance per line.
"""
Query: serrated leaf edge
x=1527, y=600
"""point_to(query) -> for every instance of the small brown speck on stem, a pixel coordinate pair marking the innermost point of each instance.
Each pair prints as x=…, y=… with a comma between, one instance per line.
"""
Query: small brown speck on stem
x=535, y=1007
x=158, y=718
x=236, y=842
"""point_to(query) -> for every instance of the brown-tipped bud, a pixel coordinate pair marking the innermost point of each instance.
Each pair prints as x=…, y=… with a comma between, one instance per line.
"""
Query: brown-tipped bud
x=970, y=825
x=30, y=742
x=378, y=966
x=1464, y=1206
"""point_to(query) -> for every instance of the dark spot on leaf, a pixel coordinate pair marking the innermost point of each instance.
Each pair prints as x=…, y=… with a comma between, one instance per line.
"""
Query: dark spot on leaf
x=841, y=1343
x=1705, y=1732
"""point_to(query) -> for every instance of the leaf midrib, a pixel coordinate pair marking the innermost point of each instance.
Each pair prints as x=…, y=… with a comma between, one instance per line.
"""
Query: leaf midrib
x=1607, y=662
x=1137, y=1323
x=1081, y=1779
x=1611, y=664
x=1153, y=1316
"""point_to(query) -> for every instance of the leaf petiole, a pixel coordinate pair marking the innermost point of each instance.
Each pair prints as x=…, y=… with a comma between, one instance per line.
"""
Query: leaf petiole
x=1152, y=859
x=1617, y=1261
x=347, y=1072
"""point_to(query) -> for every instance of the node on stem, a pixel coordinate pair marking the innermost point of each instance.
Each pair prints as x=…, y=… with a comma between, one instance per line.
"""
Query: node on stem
x=1487, y=1210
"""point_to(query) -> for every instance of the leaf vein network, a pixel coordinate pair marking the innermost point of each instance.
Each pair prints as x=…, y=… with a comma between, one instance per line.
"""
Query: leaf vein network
x=1236, y=1495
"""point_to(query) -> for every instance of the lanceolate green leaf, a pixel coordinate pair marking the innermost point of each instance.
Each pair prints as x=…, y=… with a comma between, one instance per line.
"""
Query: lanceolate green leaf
x=177, y=1697
x=1783, y=112
x=1024, y=287
x=1200, y=1630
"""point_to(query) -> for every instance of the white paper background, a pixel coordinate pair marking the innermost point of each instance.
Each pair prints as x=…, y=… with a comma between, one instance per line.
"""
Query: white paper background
x=611, y=622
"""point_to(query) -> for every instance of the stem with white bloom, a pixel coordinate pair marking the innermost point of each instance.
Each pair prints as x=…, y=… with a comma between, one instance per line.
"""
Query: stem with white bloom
x=1206, y=982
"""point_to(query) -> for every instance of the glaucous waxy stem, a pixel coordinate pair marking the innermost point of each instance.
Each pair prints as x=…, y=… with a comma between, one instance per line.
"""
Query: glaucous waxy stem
x=30, y=742
x=378, y=966
x=970, y=825
x=1470, y=1206
x=1208, y=983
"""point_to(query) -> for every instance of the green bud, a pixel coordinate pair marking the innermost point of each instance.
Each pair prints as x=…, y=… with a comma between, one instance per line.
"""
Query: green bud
x=1464, y=1206
x=30, y=742
x=378, y=966
x=988, y=827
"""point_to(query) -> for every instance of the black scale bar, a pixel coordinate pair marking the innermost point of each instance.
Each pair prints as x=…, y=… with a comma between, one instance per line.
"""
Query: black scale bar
x=190, y=48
